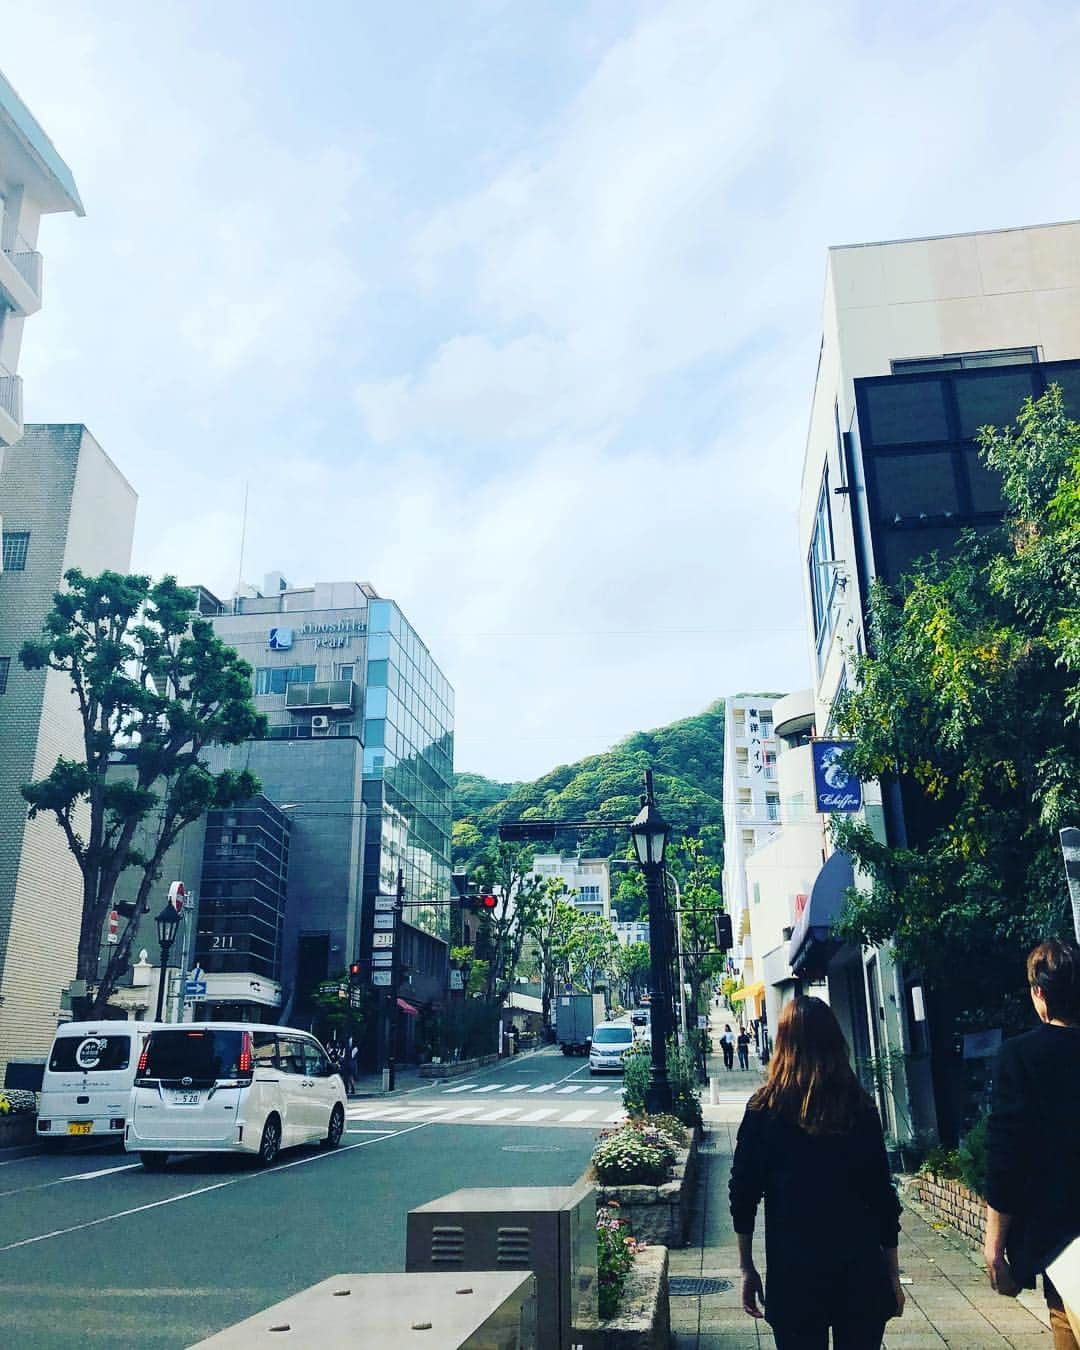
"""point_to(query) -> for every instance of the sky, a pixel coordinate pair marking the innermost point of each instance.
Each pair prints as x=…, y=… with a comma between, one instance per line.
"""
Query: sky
x=511, y=309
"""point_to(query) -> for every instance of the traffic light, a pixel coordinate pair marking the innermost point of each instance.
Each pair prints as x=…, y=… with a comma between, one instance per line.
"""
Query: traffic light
x=488, y=902
x=354, y=970
x=724, y=937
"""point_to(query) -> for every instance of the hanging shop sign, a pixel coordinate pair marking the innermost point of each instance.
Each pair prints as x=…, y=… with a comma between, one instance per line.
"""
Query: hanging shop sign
x=835, y=788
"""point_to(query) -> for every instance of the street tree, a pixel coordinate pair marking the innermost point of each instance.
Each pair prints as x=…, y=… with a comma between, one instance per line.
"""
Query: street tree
x=547, y=931
x=505, y=871
x=970, y=699
x=632, y=970
x=155, y=687
x=701, y=903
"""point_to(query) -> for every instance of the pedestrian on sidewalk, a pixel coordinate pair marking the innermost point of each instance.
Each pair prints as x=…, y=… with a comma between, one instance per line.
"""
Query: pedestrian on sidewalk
x=727, y=1045
x=744, y=1048
x=1033, y=1166
x=811, y=1145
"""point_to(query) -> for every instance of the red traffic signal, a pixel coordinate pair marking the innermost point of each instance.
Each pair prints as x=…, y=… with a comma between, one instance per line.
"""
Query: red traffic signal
x=354, y=969
x=488, y=902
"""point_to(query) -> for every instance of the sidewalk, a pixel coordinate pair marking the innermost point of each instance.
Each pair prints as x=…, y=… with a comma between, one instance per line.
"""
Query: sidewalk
x=949, y=1301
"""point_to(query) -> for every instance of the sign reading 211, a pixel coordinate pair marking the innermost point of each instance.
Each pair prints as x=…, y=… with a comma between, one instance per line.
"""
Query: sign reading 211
x=835, y=788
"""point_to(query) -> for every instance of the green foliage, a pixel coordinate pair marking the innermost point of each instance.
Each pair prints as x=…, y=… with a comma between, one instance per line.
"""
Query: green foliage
x=615, y=1256
x=632, y=967
x=631, y=1157
x=971, y=699
x=636, y=1067
x=336, y=1013
x=154, y=687
x=942, y=1163
x=973, y=1155
x=687, y=758
x=685, y=1097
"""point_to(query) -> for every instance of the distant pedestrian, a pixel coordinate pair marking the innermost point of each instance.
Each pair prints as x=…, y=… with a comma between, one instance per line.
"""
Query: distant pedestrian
x=352, y=1059
x=727, y=1045
x=744, y=1048
x=1033, y=1166
x=811, y=1145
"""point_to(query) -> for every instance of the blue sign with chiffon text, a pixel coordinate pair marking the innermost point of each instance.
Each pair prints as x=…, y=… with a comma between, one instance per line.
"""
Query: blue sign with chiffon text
x=835, y=787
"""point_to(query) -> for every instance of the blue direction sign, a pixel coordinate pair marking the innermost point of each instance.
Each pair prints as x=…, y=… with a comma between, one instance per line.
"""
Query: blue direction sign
x=195, y=986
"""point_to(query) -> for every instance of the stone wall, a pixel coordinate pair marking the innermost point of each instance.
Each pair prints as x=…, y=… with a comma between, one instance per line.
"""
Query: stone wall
x=951, y=1203
x=659, y=1214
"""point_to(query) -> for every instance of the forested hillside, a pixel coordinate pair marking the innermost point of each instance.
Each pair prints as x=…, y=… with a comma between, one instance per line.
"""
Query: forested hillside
x=687, y=760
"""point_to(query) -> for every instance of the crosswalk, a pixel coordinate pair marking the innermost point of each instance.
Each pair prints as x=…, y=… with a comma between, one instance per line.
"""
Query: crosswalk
x=490, y=1107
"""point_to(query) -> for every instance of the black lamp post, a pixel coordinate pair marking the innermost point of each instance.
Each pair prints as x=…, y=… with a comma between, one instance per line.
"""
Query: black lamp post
x=167, y=922
x=650, y=832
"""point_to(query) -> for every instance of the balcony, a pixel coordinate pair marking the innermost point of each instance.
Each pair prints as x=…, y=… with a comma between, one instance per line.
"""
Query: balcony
x=20, y=274
x=10, y=407
x=321, y=696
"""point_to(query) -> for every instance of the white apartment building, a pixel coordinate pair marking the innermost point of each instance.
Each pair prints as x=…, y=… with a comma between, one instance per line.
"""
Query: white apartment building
x=34, y=181
x=631, y=931
x=751, y=817
x=587, y=880
x=66, y=505
x=923, y=341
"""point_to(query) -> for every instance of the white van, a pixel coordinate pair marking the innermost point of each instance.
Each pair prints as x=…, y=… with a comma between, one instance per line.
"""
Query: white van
x=87, y=1080
x=232, y=1087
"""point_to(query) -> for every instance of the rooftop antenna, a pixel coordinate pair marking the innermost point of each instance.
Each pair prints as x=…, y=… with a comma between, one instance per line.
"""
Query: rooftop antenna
x=243, y=538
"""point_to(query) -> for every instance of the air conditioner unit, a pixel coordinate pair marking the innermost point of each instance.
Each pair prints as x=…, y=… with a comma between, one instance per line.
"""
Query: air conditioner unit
x=461, y=1312
x=320, y=725
x=550, y=1230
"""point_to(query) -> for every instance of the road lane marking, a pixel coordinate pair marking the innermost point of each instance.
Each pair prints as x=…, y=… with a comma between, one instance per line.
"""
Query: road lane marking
x=544, y=1087
x=529, y=1117
x=579, y=1115
x=499, y=1114
x=573, y=1088
x=491, y=1087
x=203, y=1190
x=465, y=1087
x=105, y=1172
x=591, y=1092
x=369, y=1131
x=460, y=1111
x=615, y=1115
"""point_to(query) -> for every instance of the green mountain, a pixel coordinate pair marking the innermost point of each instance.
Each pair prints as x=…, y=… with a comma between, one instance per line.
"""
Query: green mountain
x=687, y=760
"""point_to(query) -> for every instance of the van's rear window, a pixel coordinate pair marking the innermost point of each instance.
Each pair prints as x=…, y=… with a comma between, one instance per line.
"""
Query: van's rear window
x=90, y=1054
x=194, y=1054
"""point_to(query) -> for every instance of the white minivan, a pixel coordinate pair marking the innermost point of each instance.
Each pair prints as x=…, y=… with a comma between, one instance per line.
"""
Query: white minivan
x=86, y=1085
x=232, y=1087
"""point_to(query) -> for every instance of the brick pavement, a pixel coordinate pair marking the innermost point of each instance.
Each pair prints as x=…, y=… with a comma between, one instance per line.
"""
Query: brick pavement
x=949, y=1302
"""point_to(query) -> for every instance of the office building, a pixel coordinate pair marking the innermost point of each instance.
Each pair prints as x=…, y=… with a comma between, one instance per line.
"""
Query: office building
x=751, y=816
x=65, y=505
x=923, y=342
x=359, y=757
x=34, y=181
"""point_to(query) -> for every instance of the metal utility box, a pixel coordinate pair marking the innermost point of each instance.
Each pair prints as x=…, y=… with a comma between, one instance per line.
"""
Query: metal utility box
x=550, y=1230
x=575, y=1017
x=483, y=1311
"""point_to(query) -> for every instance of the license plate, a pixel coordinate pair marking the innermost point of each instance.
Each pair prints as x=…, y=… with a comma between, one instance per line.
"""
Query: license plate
x=185, y=1098
x=79, y=1126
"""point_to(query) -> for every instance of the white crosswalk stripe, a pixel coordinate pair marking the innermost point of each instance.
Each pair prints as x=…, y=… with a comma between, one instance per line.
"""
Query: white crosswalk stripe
x=460, y=1111
x=579, y=1115
x=572, y=1087
x=590, y=1092
x=491, y=1087
x=537, y=1115
x=615, y=1115
x=500, y=1114
x=543, y=1087
x=462, y=1087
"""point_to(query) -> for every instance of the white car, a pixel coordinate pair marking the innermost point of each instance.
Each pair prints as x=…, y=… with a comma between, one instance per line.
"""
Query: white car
x=610, y=1043
x=87, y=1080
x=232, y=1087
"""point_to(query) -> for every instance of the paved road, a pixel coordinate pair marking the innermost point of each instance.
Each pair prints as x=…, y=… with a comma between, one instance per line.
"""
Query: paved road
x=546, y=1089
x=96, y=1252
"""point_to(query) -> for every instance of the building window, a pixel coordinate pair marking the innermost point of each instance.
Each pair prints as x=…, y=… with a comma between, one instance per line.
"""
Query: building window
x=757, y=893
x=742, y=761
x=739, y=719
x=588, y=895
x=275, y=679
x=345, y=729
x=16, y=546
x=770, y=764
x=772, y=805
x=820, y=562
x=748, y=840
x=1005, y=356
x=5, y=666
x=766, y=724
x=347, y=671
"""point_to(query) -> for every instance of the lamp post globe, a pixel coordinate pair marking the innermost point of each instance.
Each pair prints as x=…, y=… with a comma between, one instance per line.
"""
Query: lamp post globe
x=167, y=922
x=649, y=832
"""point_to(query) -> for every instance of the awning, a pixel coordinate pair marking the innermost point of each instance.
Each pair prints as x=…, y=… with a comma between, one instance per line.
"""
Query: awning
x=754, y=991
x=812, y=943
x=408, y=1008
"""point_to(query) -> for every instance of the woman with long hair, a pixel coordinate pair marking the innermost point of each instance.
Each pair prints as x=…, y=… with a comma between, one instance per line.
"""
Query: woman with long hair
x=811, y=1145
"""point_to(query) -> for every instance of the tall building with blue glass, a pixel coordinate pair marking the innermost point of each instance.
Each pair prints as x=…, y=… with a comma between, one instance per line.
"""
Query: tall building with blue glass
x=359, y=755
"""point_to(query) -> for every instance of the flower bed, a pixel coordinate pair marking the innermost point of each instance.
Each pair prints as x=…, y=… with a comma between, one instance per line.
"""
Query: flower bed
x=649, y=1169
x=643, y=1319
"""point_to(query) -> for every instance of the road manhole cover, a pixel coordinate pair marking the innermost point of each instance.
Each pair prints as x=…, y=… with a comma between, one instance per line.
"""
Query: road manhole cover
x=690, y=1287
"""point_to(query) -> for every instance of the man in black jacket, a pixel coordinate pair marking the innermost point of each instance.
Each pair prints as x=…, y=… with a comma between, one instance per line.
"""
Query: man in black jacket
x=1033, y=1174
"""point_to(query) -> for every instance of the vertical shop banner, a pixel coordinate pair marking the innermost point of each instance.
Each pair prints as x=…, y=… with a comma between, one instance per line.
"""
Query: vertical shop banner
x=834, y=787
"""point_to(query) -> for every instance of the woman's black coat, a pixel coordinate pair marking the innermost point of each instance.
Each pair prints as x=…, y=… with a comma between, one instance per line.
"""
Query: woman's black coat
x=830, y=1208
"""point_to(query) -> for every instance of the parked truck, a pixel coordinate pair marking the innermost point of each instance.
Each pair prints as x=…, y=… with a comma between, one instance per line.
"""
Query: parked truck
x=575, y=1017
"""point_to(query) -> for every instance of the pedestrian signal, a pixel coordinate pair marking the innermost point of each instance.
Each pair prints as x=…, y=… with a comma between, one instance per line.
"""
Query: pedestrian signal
x=724, y=937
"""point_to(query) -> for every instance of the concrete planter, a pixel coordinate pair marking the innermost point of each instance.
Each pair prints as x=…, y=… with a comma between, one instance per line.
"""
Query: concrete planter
x=15, y=1130
x=455, y=1070
x=643, y=1321
x=659, y=1214
x=950, y=1202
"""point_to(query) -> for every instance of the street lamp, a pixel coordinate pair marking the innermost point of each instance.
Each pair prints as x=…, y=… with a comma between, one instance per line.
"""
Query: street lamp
x=167, y=922
x=650, y=832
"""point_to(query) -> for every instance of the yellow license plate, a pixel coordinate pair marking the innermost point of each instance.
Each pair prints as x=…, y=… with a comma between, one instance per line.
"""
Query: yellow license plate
x=79, y=1127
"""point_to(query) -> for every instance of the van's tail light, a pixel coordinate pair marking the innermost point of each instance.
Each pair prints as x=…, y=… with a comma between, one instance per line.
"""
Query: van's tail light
x=144, y=1056
x=245, y=1067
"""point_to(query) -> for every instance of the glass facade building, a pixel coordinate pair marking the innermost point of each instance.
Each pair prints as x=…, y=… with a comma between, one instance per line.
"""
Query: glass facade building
x=408, y=768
